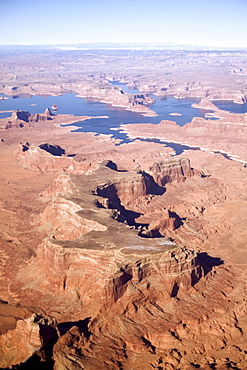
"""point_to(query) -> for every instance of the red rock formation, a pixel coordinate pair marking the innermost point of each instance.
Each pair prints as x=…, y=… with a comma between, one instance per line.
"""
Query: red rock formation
x=83, y=251
x=128, y=187
x=32, y=336
x=119, y=98
x=20, y=118
x=19, y=344
x=21, y=115
x=200, y=132
x=62, y=267
x=221, y=94
x=175, y=169
x=61, y=185
x=149, y=327
x=37, y=159
x=159, y=222
x=205, y=103
x=15, y=124
x=61, y=219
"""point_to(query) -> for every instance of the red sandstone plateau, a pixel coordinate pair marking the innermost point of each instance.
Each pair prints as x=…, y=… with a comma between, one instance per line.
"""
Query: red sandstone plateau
x=227, y=134
x=123, y=255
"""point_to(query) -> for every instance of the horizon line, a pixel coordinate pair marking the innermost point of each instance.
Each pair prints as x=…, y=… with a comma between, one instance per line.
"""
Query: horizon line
x=133, y=45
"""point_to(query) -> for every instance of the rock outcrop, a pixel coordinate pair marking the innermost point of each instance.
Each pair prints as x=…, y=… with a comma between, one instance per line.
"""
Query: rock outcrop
x=161, y=294
x=127, y=187
x=93, y=251
x=205, y=104
x=200, y=132
x=21, y=118
x=175, y=169
x=53, y=149
x=21, y=115
x=90, y=256
x=237, y=97
x=61, y=219
x=100, y=274
x=30, y=336
x=159, y=222
x=119, y=98
x=150, y=328
x=51, y=158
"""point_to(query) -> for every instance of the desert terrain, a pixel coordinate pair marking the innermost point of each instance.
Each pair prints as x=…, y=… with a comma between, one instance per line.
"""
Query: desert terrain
x=123, y=255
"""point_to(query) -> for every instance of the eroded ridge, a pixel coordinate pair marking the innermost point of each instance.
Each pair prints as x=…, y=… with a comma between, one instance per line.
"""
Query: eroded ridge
x=144, y=280
x=99, y=252
x=87, y=247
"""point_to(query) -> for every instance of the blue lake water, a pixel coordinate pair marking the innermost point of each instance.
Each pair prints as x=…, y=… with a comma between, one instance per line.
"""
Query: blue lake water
x=70, y=104
x=230, y=106
x=125, y=87
x=178, y=148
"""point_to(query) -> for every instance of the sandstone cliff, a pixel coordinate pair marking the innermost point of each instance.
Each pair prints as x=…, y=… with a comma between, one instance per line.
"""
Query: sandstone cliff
x=83, y=231
x=171, y=170
x=38, y=158
x=119, y=98
x=161, y=294
x=30, y=336
x=152, y=303
x=20, y=118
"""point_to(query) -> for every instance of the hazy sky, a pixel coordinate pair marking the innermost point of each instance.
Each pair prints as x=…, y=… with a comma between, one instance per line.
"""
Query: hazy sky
x=196, y=22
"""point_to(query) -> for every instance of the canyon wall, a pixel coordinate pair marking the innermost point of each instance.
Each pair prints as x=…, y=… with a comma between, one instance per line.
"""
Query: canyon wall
x=175, y=169
x=37, y=159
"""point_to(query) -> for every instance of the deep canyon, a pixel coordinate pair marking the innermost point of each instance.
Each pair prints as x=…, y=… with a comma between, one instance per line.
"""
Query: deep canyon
x=116, y=252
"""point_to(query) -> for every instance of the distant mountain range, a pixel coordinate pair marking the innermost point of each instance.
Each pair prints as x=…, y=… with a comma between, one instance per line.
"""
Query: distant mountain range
x=125, y=46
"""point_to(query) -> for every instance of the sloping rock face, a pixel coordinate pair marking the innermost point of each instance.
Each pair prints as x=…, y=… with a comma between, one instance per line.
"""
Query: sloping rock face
x=20, y=118
x=21, y=114
x=62, y=220
x=118, y=97
x=19, y=344
x=128, y=187
x=51, y=158
x=175, y=169
x=105, y=276
x=159, y=221
x=123, y=298
x=91, y=254
x=145, y=329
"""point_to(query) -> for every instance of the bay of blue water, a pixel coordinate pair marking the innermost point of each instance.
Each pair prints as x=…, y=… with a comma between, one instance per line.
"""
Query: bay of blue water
x=70, y=104
x=163, y=107
x=125, y=87
x=230, y=106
